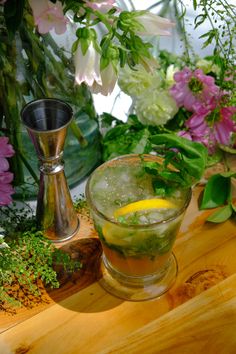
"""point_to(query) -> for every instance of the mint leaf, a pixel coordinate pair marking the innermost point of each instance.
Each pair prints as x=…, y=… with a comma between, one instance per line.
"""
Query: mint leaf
x=188, y=157
x=217, y=191
x=221, y=215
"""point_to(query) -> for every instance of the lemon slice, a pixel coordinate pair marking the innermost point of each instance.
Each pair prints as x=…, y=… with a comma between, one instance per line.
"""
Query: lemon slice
x=144, y=204
x=115, y=234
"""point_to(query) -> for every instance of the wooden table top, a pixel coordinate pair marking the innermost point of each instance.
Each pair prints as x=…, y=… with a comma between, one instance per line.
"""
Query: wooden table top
x=197, y=315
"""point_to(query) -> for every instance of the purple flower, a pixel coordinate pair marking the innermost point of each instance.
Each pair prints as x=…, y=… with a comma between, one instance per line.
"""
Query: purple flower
x=6, y=190
x=193, y=88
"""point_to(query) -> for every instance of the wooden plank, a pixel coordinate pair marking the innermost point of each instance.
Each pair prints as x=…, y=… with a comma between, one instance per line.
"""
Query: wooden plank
x=206, y=324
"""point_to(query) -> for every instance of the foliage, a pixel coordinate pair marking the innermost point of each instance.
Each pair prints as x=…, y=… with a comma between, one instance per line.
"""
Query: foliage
x=27, y=260
x=218, y=193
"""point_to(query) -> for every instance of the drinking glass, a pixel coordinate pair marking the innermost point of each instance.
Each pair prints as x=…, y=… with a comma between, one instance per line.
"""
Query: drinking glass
x=137, y=215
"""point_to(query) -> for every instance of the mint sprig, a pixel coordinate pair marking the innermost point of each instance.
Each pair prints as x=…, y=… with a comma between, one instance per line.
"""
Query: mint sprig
x=187, y=157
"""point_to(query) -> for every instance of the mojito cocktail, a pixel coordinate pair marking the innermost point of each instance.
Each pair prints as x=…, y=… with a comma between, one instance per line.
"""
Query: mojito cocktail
x=137, y=216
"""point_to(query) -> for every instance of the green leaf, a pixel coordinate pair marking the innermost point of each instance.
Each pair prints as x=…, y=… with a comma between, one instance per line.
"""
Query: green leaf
x=221, y=215
x=216, y=192
x=199, y=20
x=84, y=45
x=195, y=4
x=189, y=158
x=124, y=139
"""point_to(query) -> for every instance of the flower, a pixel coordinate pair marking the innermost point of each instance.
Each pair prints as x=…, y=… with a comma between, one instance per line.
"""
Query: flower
x=135, y=81
x=224, y=127
x=87, y=61
x=148, y=24
x=208, y=66
x=170, y=72
x=109, y=79
x=212, y=127
x=101, y=5
x=155, y=107
x=6, y=189
x=193, y=87
x=48, y=16
x=108, y=70
x=6, y=150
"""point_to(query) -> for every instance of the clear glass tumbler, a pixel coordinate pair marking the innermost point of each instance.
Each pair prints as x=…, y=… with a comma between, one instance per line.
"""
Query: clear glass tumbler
x=137, y=216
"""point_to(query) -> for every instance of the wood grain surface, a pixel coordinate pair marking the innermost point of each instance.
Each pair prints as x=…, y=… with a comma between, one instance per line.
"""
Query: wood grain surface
x=197, y=315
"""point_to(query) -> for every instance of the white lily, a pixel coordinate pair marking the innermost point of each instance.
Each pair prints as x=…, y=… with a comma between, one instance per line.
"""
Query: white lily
x=87, y=66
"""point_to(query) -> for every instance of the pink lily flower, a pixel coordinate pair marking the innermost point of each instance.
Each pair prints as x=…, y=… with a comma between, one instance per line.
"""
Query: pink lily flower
x=48, y=16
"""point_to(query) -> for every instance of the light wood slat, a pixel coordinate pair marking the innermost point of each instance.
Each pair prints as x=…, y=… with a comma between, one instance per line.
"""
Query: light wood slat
x=206, y=324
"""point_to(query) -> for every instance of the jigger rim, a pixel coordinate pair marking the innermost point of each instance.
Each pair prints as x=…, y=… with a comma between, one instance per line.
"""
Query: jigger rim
x=48, y=99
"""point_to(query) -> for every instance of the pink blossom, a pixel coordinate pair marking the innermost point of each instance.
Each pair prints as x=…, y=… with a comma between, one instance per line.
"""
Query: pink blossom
x=185, y=134
x=225, y=126
x=48, y=16
x=100, y=5
x=6, y=150
x=193, y=88
x=198, y=128
x=6, y=189
x=211, y=127
x=6, y=177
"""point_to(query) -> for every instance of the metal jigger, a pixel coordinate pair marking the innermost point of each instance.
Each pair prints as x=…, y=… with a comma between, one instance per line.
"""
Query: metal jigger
x=46, y=121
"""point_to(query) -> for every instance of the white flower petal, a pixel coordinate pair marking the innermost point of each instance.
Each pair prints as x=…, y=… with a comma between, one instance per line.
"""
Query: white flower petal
x=87, y=66
x=154, y=25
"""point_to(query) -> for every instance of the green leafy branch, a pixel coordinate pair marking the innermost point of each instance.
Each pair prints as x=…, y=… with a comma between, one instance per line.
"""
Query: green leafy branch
x=221, y=16
x=27, y=260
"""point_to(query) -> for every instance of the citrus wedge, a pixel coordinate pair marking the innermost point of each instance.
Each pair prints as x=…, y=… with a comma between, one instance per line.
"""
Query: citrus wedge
x=145, y=204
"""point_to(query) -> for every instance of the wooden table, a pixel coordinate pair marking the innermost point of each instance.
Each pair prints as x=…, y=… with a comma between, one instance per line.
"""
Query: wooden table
x=198, y=314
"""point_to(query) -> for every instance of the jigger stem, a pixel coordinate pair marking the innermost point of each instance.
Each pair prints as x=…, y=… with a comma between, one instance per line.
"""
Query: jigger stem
x=46, y=121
